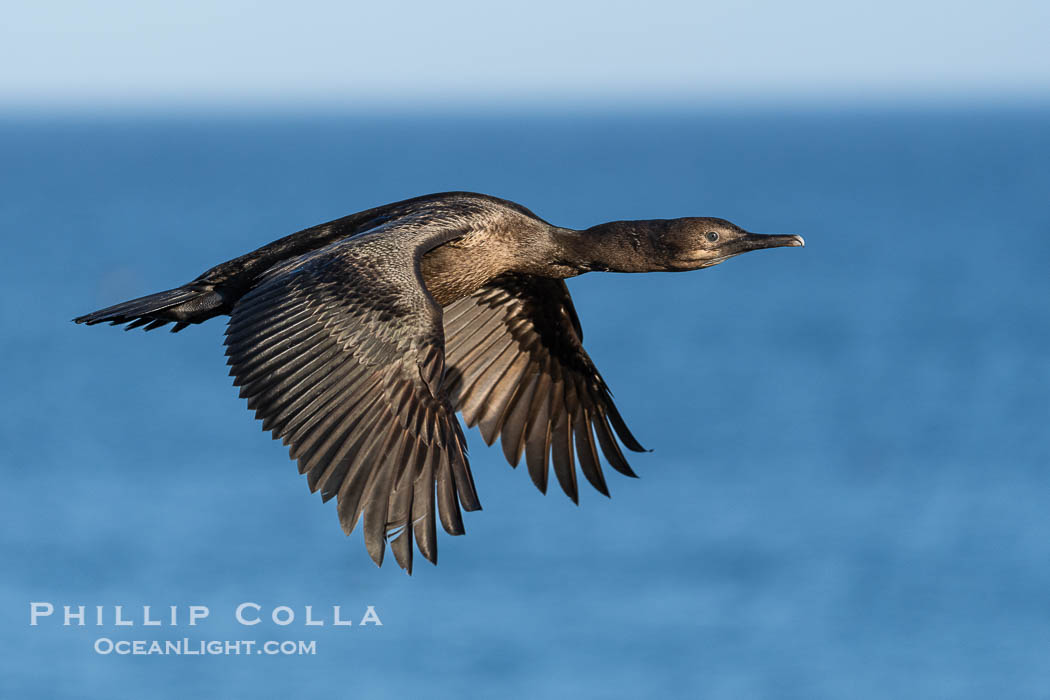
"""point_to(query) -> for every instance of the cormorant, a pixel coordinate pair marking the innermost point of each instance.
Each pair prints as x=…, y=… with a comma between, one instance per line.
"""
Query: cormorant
x=357, y=341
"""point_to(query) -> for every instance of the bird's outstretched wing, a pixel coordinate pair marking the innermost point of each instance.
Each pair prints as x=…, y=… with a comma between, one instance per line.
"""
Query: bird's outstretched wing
x=340, y=352
x=516, y=367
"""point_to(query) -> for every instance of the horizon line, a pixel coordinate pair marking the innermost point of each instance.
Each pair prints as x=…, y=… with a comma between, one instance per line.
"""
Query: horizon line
x=453, y=104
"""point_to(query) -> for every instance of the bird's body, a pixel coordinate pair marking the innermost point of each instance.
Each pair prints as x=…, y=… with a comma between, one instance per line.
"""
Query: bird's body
x=357, y=341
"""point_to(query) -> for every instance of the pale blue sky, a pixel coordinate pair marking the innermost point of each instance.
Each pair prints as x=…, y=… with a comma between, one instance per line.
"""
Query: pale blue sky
x=316, y=52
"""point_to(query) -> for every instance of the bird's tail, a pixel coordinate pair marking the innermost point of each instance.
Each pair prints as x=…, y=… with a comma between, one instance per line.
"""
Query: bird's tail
x=192, y=303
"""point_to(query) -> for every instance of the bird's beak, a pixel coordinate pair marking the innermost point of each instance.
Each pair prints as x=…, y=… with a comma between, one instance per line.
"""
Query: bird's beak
x=741, y=244
x=757, y=241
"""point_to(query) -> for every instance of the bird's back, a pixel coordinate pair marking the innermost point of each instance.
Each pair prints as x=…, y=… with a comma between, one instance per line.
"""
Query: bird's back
x=216, y=291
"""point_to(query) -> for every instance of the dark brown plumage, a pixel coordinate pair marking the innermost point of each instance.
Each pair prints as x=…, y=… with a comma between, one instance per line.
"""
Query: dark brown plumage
x=357, y=341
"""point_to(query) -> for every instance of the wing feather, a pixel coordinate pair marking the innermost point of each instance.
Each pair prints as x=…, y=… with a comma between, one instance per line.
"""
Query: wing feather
x=517, y=369
x=340, y=352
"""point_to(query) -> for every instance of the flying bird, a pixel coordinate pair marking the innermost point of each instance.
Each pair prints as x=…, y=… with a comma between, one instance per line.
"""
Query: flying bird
x=357, y=341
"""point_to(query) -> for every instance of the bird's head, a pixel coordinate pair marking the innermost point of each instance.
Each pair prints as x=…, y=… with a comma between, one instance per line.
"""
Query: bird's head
x=694, y=243
x=668, y=245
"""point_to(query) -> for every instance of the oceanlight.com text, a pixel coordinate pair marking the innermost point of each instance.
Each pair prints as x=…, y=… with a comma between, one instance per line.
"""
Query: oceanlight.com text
x=204, y=647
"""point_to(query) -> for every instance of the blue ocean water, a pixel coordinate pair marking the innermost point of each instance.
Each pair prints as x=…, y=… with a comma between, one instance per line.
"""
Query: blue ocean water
x=849, y=493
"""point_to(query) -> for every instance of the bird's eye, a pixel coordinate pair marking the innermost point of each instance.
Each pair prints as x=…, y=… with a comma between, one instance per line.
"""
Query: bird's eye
x=711, y=236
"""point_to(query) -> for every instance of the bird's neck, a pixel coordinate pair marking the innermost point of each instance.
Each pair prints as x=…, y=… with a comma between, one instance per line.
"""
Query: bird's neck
x=618, y=246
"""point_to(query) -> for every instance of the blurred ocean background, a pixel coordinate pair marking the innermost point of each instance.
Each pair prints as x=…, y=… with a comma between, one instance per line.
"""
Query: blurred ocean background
x=849, y=489
x=849, y=493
